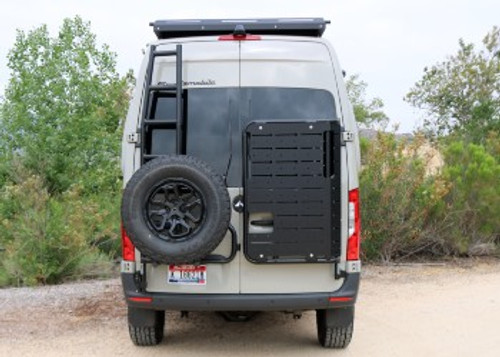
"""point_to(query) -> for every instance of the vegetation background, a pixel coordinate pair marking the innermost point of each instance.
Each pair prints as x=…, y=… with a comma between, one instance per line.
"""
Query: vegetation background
x=433, y=194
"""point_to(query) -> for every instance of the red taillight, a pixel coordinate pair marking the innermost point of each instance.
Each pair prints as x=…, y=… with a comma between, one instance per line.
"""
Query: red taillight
x=354, y=226
x=128, y=249
x=239, y=38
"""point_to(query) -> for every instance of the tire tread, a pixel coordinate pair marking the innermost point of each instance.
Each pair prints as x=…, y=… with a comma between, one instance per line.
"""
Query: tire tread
x=337, y=337
x=145, y=336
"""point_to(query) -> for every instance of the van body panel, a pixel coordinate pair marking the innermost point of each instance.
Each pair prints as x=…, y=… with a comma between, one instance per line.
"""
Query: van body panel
x=273, y=62
x=205, y=64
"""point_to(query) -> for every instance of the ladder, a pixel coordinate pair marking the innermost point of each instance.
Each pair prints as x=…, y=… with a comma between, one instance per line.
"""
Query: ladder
x=148, y=123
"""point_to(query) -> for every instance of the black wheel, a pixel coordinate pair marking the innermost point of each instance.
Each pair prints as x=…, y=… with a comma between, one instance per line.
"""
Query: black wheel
x=175, y=209
x=146, y=327
x=335, y=327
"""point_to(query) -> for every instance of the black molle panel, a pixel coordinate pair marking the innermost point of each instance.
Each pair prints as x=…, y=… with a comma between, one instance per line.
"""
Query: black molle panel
x=292, y=171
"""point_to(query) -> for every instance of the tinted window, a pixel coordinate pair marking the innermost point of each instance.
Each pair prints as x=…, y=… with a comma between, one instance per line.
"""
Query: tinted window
x=209, y=121
x=163, y=108
x=290, y=103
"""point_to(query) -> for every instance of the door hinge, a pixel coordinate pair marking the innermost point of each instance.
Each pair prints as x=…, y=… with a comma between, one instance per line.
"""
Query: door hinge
x=347, y=136
x=133, y=138
x=338, y=272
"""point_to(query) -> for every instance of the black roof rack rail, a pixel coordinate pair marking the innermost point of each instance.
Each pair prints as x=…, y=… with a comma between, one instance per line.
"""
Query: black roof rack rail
x=312, y=27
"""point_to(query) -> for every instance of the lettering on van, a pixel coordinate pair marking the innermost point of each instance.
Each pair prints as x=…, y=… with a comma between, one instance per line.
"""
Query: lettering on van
x=203, y=82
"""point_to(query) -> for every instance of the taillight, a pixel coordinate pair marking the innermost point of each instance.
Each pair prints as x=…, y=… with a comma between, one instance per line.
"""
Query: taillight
x=353, y=241
x=128, y=249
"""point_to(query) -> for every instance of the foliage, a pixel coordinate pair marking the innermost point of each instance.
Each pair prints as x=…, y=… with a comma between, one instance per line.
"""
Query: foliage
x=473, y=201
x=398, y=198
x=409, y=209
x=462, y=93
x=49, y=239
x=368, y=112
x=60, y=134
x=62, y=109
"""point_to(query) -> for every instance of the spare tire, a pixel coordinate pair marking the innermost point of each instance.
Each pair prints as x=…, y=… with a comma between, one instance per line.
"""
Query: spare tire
x=176, y=209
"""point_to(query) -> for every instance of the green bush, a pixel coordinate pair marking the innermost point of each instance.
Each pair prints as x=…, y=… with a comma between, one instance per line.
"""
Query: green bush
x=398, y=198
x=48, y=239
x=409, y=209
x=472, y=204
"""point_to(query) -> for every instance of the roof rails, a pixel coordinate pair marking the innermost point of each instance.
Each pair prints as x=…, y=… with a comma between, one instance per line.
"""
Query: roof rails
x=312, y=27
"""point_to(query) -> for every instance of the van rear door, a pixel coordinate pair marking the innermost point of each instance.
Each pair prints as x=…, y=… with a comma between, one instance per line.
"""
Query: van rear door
x=292, y=163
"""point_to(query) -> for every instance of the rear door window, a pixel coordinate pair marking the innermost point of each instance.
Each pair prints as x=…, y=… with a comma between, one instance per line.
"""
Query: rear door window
x=289, y=104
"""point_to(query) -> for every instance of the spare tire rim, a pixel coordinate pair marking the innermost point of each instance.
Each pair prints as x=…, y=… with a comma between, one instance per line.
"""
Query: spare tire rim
x=175, y=209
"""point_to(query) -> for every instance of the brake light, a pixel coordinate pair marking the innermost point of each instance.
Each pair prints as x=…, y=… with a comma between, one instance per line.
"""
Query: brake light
x=353, y=241
x=128, y=249
x=239, y=38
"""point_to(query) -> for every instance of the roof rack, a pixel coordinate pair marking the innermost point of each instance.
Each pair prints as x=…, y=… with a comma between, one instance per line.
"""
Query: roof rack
x=312, y=27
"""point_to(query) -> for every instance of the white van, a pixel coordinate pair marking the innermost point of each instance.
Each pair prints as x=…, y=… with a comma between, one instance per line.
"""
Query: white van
x=240, y=161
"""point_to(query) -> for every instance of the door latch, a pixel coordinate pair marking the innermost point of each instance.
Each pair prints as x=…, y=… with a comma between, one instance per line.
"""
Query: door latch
x=133, y=138
x=347, y=136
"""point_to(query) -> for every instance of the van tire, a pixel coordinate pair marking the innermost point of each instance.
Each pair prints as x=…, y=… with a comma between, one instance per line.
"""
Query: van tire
x=145, y=336
x=335, y=327
x=146, y=326
x=171, y=233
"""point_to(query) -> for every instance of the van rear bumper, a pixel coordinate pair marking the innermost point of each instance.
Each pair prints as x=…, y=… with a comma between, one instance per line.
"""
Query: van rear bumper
x=345, y=296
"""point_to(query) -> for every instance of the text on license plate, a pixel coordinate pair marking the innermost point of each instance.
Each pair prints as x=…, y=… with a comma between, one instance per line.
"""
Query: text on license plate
x=187, y=274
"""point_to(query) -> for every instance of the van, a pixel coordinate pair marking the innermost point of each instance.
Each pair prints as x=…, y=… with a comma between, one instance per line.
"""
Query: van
x=240, y=161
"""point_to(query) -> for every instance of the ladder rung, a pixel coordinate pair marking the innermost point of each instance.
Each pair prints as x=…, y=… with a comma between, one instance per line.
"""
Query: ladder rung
x=160, y=88
x=164, y=53
x=163, y=123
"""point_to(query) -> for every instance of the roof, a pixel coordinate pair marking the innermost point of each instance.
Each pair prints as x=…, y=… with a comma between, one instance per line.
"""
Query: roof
x=312, y=27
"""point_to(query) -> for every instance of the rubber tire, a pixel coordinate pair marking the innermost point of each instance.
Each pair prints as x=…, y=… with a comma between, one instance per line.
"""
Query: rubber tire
x=217, y=209
x=331, y=333
x=148, y=335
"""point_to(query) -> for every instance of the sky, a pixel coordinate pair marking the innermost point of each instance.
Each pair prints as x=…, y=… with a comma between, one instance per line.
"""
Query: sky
x=386, y=42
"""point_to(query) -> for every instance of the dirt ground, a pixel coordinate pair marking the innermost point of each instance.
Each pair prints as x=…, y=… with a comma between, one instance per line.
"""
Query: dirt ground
x=415, y=310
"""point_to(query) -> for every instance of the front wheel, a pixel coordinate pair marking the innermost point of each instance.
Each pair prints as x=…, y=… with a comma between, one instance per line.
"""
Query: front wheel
x=335, y=326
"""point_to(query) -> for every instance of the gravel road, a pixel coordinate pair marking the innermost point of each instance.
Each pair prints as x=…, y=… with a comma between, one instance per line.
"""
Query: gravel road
x=451, y=310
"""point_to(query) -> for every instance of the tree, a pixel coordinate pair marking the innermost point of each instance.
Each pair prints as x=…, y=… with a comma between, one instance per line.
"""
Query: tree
x=462, y=93
x=62, y=108
x=60, y=131
x=367, y=112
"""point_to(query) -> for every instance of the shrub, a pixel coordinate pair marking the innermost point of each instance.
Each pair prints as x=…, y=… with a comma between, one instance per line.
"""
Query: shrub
x=48, y=239
x=410, y=208
x=473, y=201
x=398, y=198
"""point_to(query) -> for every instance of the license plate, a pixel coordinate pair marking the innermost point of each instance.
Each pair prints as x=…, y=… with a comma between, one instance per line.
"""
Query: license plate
x=187, y=274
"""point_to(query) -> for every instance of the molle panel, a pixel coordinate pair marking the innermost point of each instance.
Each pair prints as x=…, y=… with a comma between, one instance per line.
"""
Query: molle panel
x=292, y=174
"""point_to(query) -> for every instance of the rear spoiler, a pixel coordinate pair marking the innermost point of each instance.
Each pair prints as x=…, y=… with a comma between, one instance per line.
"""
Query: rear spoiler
x=311, y=27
